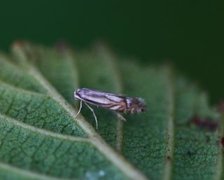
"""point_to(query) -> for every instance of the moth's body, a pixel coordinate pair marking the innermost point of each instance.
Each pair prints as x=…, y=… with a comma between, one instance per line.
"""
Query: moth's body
x=113, y=102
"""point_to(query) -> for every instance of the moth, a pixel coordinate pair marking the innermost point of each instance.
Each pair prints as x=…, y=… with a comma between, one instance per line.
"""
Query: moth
x=117, y=103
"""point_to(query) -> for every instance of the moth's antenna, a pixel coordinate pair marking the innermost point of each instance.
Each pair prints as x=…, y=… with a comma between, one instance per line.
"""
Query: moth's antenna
x=91, y=109
x=80, y=107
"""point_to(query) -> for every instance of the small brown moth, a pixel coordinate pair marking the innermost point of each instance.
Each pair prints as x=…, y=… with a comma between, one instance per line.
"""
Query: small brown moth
x=117, y=103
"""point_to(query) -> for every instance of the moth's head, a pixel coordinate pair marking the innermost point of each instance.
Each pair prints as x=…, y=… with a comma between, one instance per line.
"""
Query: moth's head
x=141, y=105
x=136, y=105
x=77, y=94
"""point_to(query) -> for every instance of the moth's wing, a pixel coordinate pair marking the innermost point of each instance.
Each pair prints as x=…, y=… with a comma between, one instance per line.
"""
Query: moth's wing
x=116, y=103
x=106, y=100
x=114, y=98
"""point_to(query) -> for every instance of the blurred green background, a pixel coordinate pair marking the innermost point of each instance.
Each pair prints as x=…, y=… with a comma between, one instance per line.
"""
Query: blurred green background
x=189, y=34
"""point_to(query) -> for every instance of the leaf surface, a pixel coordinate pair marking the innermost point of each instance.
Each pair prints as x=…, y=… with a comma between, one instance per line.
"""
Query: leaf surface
x=40, y=138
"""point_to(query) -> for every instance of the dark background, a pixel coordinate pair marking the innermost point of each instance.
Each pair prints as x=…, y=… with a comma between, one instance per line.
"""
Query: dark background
x=188, y=33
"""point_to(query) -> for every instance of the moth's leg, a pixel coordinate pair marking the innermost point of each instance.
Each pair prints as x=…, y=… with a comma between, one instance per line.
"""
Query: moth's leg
x=80, y=107
x=120, y=117
x=91, y=109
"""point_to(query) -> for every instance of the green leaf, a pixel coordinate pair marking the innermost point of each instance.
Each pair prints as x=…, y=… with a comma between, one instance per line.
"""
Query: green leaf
x=40, y=138
x=50, y=153
x=36, y=109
